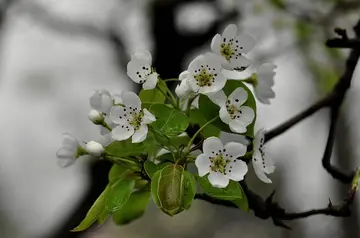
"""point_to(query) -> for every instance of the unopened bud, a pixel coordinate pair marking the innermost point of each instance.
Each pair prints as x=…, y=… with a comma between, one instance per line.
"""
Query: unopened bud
x=96, y=117
x=95, y=149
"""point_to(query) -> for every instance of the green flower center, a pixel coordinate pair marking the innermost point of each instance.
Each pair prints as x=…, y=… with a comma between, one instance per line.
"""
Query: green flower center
x=204, y=78
x=227, y=50
x=136, y=120
x=219, y=163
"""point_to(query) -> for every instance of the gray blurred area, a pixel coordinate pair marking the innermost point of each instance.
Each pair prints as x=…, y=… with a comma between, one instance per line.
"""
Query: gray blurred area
x=55, y=53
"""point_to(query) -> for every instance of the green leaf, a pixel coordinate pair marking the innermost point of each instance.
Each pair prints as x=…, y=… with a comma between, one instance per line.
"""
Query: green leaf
x=118, y=172
x=103, y=216
x=94, y=212
x=150, y=168
x=169, y=121
x=210, y=110
x=133, y=209
x=189, y=190
x=242, y=203
x=126, y=148
x=232, y=192
x=153, y=95
x=169, y=188
x=162, y=165
x=119, y=194
x=166, y=157
x=197, y=118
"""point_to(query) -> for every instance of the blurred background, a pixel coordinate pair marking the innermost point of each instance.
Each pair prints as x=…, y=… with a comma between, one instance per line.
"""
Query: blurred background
x=53, y=54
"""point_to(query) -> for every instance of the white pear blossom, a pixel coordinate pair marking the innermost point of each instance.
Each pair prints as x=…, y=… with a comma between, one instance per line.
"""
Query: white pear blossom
x=183, y=90
x=265, y=81
x=95, y=148
x=70, y=151
x=232, y=48
x=131, y=119
x=221, y=162
x=140, y=71
x=262, y=164
x=101, y=101
x=232, y=112
x=204, y=74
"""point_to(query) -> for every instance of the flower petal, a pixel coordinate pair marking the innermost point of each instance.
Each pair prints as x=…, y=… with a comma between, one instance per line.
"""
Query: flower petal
x=259, y=167
x=245, y=43
x=219, y=98
x=203, y=164
x=237, y=126
x=63, y=163
x=148, y=117
x=65, y=153
x=213, y=62
x=193, y=84
x=238, y=97
x=218, y=180
x=117, y=115
x=259, y=139
x=122, y=133
x=182, y=90
x=138, y=70
x=224, y=115
x=70, y=141
x=131, y=99
x=229, y=32
x=196, y=64
x=235, y=149
x=236, y=170
x=240, y=63
x=183, y=75
x=140, y=134
x=151, y=81
x=212, y=145
x=247, y=115
x=144, y=55
x=216, y=44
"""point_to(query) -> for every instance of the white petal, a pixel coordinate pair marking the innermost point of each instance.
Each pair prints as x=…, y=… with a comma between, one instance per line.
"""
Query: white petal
x=144, y=55
x=117, y=115
x=63, y=163
x=65, y=153
x=238, y=97
x=203, y=164
x=70, y=141
x=269, y=165
x=237, y=126
x=247, y=115
x=266, y=68
x=229, y=32
x=259, y=139
x=217, y=85
x=106, y=139
x=131, y=99
x=151, y=81
x=122, y=133
x=183, y=90
x=148, y=117
x=140, y=134
x=224, y=115
x=216, y=44
x=245, y=43
x=219, y=98
x=240, y=63
x=101, y=101
x=195, y=65
x=235, y=149
x=218, y=180
x=263, y=95
x=212, y=145
x=138, y=70
x=259, y=167
x=193, y=84
x=212, y=62
x=95, y=101
x=226, y=65
x=236, y=170
x=183, y=75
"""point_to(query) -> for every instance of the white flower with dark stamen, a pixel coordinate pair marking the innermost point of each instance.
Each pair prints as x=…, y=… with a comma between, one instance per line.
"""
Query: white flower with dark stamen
x=262, y=164
x=183, y=90
x=101, y=101
x=232, y=48
x=205, y=74
x=140, y=71
x=70, y=151
x=265, y=80
x=221, y=162
x=131, y=119
x=232, y=112
x=95, y=148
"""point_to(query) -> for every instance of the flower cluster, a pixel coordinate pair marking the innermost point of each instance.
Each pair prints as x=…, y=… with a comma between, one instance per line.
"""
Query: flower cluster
x=152, y=134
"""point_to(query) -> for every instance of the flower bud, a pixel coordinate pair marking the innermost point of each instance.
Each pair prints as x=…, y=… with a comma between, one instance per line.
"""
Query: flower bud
x=96, y=117
x=94, y=148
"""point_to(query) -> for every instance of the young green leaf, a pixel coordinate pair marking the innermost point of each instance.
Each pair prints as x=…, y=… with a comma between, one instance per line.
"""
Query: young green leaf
x=118, y=172
x=232, y=192
x=95, y=211
x=133, y=209
x=153, y=95
x=119, y=194
x=150, y=168
x=189, y=190
x=169, y=189
x=197, y=118
x=210, y=110
x=169, y=121
x=166, y=157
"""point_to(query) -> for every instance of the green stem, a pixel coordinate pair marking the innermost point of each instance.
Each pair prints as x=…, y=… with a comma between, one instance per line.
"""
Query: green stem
x=104, y=124
x=251, y=80
x=171, y=99
x=198, y=132
x=191, y=100
x=124, y=162
x=171, y=80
